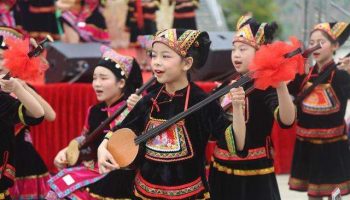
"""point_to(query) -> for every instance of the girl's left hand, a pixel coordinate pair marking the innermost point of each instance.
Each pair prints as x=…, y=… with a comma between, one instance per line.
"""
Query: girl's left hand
x=41, y=56
x=10, y=85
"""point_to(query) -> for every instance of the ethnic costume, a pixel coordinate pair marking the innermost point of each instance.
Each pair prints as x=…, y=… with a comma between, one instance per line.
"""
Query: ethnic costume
x=37, y=18
x=173, y=166
x=11, y=112
x=84, y=181
x=85, y=175
x=321, y=159
x=184, y=14
x=248, y=174
x=31, y=171
x=141, y=18
x=6, y=13
x=87, y=20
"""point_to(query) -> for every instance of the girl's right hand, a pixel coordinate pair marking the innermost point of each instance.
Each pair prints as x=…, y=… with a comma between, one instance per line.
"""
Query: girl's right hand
x=61, y=159
x=237, y=96
x=133, y=99
x=106, y=162
x=11, y=85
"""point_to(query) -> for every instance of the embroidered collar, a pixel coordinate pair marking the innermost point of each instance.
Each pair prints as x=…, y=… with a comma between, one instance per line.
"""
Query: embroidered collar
x=115, y=106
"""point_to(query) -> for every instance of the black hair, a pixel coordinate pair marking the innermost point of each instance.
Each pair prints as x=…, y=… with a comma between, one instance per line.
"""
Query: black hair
x=132, y=82
x=269, y=30
x=199, y=50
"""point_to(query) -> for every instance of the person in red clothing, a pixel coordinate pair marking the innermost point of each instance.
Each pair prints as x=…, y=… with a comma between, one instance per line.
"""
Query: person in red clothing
x=185, y=14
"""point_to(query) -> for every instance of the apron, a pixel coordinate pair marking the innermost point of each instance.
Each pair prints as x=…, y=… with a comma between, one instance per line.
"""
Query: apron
x=173, y=145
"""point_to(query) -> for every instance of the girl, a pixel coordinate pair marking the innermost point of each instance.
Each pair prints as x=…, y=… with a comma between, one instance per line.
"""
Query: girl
x=115, y=78
x=6, y=13
x=141, y=19
x=83, y=22
x=244, y=170
x=174, y=164
x=184, y=14
x=31, y=171
x=321, y=159
x=37, y=18
x=26, y=110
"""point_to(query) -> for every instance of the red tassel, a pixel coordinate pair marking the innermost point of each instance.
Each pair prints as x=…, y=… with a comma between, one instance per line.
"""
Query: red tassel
x=270, y=67
x=19, y=63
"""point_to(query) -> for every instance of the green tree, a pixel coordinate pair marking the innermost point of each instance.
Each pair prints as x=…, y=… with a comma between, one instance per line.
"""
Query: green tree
x=262, y=10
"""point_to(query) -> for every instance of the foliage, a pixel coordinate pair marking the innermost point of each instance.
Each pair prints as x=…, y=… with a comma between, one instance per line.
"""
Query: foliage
x=262, y=10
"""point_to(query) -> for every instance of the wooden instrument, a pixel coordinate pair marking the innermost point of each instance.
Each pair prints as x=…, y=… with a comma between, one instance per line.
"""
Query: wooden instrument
x=73, y=151
x=124, y=145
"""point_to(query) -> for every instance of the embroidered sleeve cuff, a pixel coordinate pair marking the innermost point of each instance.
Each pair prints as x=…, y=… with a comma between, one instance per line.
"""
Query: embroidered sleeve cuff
x=25, y=119
x=108, y=135
x=20, y=114
x=276, y=115
x=195, y=3
x=157, y=4
x=230, y=140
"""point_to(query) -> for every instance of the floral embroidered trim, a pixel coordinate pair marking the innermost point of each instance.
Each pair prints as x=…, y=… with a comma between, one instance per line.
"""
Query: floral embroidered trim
x=67, y=191
x=243, y=172
x=181, y=45
x=20, y=114
x=322, y=101
x=5, y=194
x=276, y=112
x=318, y=189
x=320, y=133
x=108, y=135
x=168, y=192
x=230, y=141
x=96, y=196
x=245, y=35
x=34, y=176
x=259, y=36
x=253, y=154
x=9, y=172
x=243, y=19
x=178, y=149
x=334, y=32
x=323, y=141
